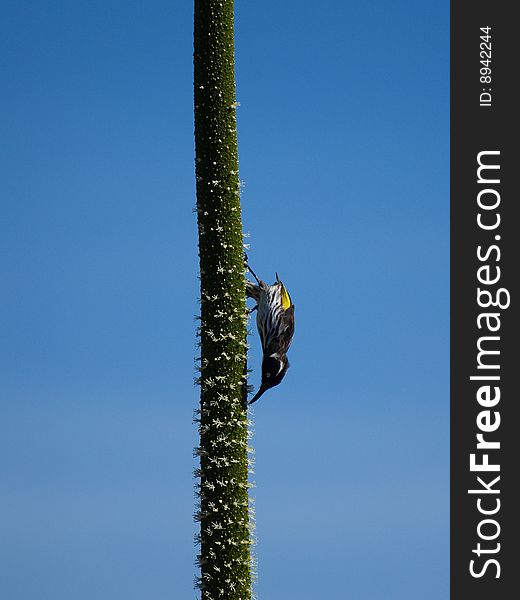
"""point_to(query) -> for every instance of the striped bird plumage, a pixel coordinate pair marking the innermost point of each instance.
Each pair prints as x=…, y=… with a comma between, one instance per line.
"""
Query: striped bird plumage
x=275, y=323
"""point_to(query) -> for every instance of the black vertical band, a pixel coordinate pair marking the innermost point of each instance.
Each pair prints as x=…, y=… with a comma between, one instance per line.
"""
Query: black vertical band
x=485, y=267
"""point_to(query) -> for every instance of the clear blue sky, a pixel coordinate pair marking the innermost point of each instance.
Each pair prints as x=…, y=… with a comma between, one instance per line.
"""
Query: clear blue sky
x=343, y=136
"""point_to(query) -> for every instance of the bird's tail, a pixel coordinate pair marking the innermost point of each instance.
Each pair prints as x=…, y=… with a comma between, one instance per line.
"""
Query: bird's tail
x=252, y=290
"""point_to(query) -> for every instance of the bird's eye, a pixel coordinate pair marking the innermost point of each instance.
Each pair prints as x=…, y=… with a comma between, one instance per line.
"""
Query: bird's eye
x=268, y=374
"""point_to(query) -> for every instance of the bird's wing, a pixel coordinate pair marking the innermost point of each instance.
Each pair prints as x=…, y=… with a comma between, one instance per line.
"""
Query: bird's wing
x=288, y=324
x=286, y=299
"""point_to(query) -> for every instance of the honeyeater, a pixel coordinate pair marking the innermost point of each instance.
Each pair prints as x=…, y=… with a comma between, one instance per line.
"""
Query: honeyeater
x=275, y=322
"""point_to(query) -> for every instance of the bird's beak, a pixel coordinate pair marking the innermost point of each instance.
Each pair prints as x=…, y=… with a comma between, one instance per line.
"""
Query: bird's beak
x=259, y=393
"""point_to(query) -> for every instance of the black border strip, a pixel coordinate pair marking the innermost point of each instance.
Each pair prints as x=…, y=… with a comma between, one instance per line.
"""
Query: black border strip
x=478, y=127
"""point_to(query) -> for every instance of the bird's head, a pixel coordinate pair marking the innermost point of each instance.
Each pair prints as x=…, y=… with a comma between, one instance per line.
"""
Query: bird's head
x=274, y=368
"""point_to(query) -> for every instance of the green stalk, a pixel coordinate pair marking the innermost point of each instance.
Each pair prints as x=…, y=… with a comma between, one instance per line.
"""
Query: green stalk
x=225, y=557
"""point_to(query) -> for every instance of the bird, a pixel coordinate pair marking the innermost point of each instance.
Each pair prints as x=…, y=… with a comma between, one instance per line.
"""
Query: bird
x=275, y=323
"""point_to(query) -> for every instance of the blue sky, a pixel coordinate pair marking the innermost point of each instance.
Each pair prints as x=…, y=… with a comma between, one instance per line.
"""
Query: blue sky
x=344, y=150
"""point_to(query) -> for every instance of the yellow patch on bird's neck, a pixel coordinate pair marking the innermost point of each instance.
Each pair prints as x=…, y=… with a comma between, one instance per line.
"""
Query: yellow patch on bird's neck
x=286, y=299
